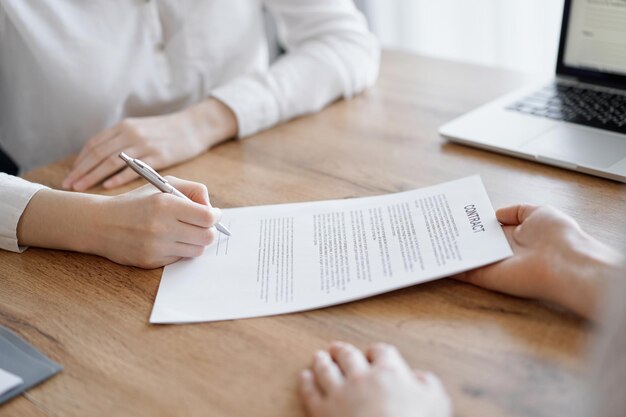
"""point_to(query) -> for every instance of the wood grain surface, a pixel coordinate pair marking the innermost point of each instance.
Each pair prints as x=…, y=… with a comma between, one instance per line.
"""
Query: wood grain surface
x=497, y=355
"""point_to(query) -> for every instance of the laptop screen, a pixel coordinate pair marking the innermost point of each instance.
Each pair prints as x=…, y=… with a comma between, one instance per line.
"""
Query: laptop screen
x=593, y=40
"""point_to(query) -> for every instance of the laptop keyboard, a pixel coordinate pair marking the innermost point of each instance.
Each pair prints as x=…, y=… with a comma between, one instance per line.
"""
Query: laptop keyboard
x=578, y=105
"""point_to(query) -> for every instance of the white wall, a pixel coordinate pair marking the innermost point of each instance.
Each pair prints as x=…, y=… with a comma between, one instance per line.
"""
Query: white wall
x=520, y=34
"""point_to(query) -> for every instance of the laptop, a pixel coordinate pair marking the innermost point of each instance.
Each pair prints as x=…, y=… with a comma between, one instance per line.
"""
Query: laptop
x=576, y=120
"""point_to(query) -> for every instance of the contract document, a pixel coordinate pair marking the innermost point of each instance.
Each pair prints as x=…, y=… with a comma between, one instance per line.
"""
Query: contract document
x=294, y=257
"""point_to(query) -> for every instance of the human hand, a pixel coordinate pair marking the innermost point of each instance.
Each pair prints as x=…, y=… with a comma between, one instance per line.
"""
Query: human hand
x=150, y=229
x=554, y=260
x=159, y=141
x=343, y=382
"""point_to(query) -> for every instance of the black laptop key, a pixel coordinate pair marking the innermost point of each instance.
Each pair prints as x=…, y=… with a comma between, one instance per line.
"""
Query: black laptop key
x=578, y=105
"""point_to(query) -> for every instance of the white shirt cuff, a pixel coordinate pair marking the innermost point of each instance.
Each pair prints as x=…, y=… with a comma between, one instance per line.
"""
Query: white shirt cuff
x=252, y=101
x=16, y=194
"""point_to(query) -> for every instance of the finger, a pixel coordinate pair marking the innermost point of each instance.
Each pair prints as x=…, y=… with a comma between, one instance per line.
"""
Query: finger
x=195, y=191
x=190, y=212
x=311, y=395
x=496, y=277
x=94, y=141
x=351, y=360
x=488, y=276
x=196, y=214
x=103, y=170
x=326, y=372
x=185, y=250
x=94, y=156
x=510, y=233
x=420, y=375
x=124, y=177
x=194, y=235
x=433, y=380
x=511, y=276
x=476, y=277
x=384, y=354
x=168, y=260
x=514, y=215
x=156, y=263
x=438, y=394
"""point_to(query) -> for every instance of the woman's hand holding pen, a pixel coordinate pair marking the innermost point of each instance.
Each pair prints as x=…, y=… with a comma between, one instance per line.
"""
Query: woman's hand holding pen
x=159, y=141
x=144, y=227
x=150, y=229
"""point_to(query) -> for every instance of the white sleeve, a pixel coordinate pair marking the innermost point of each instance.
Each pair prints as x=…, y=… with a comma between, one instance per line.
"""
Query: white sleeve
x=330, y=54
x=15, y=193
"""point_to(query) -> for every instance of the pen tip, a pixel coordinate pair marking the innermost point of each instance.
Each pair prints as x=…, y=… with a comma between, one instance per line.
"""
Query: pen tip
x=223, y=229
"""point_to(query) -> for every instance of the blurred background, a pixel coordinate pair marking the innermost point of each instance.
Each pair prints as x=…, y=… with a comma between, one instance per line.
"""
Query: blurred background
x=515, y=34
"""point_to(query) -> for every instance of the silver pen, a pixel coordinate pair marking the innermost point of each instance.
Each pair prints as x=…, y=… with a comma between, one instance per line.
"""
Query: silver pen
x=150, y=175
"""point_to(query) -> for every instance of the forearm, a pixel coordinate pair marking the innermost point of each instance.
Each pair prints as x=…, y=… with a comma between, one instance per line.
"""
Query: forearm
x=60, y=220
x=143, y=227
x=330, y=55
x=211, y=121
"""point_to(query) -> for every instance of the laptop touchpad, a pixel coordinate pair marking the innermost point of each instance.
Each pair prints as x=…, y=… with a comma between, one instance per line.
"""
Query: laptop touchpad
x=580, y=146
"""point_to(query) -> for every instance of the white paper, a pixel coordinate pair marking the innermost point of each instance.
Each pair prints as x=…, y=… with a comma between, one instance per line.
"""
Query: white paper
x=8, y=381
x=295, y=257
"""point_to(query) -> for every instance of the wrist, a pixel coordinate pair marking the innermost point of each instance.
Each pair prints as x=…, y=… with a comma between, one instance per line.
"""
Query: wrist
x=585, y=278
x=90, y=231
x=212, y=121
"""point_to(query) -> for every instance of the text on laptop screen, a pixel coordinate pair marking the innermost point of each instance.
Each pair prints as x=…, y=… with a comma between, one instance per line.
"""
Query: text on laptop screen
x=596, y=38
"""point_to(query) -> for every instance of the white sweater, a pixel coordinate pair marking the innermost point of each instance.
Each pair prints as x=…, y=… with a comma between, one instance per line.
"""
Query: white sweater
x=69, y=69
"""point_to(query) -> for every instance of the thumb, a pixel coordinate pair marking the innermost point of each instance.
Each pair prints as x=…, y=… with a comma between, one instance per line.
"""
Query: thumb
x=488, y=277
x=514, y=215
x=197, y=192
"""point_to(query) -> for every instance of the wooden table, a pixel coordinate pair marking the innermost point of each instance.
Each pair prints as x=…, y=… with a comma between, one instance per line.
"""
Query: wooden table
x=497, y=355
